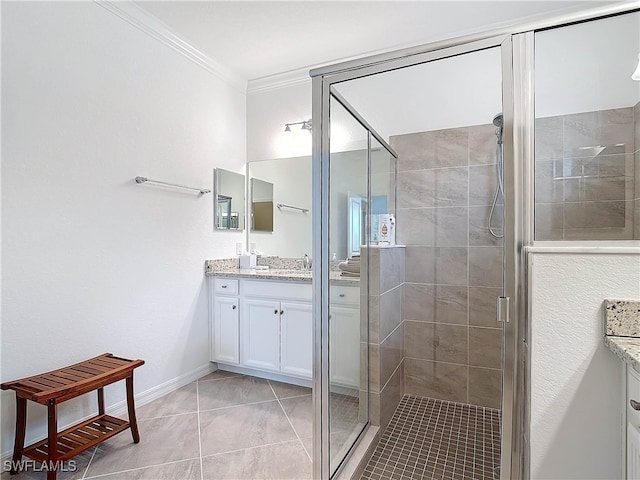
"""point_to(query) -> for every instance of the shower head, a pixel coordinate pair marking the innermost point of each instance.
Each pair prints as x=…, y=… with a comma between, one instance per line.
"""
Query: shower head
x=498, y=122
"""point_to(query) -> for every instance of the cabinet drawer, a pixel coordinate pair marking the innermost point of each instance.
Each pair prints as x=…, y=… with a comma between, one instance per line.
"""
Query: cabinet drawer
x=274, y=289
x=340, y=295
x=633, y=393
x=225, y=286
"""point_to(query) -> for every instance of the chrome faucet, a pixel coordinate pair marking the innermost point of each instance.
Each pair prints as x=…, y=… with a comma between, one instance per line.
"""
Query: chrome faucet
x=306, y=262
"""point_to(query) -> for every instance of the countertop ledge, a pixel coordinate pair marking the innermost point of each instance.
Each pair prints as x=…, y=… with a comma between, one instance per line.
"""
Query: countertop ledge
x=627, y=348
x=622, y=330
x=283, y=275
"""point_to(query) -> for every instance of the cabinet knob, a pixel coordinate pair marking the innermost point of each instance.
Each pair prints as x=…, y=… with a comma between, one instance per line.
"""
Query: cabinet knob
x=635, y=405
x=275, y=311
x=234, y=307
x=341, y=295
x=223, y=286
x=281, y=312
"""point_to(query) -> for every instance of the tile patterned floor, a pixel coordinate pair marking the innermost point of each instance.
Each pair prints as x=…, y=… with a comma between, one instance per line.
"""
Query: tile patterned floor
x=224, y=426
x=435, y=439
x=229, y=426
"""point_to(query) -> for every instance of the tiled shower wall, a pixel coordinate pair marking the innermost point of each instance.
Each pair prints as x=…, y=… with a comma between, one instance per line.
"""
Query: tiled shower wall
x=453, y=270
x=584, y=180
x=386, y=331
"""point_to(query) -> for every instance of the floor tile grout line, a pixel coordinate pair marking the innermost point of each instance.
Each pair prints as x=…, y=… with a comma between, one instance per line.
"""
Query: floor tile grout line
x=250, y=448
x=86, y=470
x=199, y=430
x=289, y=420
x=238, y=405
x=238, y=375
x=169, y=415
x=142, y=468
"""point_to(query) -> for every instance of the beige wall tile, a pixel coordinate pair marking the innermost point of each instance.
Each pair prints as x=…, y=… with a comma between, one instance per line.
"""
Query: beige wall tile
x=482, y=184
x=391, y=353
x=391, y=394
x=549, y=221
x=605, y=127
x=443, y=381
x=415, y=150
x=451, y=187
x=437, y=342
x=390, y=311
x=485, y=347
x=479, y=226
x=416, y=189
x=443, y=265
x=485, y=266
x=548, y=138
x=482, y=144
x=392, y=265
x=435, y=303
x=482, y=306
x=485, y=387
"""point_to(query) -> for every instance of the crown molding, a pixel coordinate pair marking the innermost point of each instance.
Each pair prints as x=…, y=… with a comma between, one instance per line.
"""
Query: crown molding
x=279, y=80
x=152, y=26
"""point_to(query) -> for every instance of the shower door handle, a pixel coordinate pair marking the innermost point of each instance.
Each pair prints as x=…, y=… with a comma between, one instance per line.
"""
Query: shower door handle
x=503, y=309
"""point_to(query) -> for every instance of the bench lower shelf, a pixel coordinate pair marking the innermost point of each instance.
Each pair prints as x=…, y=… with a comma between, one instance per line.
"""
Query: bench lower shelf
x=78, y=438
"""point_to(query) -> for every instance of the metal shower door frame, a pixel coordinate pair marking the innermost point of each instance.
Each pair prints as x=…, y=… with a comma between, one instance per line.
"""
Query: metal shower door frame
x=323, y=79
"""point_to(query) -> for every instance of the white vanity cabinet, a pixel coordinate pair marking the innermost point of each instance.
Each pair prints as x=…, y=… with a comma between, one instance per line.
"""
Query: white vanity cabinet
x=267, y=326
x=261, y=334
x=226, y=322
x=344, y=333
x=633, y=423
x=277, y=327
x=296, y=322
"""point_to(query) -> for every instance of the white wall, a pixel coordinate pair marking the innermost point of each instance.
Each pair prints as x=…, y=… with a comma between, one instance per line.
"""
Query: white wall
x=587, y=67
x=92, y=262
x=576, y=385
x=267, y=112
x=580, y=68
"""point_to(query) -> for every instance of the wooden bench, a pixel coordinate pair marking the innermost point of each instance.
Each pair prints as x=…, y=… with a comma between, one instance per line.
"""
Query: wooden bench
x=57, y=386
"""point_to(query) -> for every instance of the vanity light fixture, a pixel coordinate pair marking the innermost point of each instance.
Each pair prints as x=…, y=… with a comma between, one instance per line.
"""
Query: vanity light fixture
x=304, y=125
x=636, y=74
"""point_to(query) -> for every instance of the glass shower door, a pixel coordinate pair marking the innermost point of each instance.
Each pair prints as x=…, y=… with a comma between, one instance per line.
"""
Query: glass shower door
x=361, y=190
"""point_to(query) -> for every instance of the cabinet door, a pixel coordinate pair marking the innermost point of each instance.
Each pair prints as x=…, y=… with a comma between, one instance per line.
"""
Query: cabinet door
x=296, y=336
x=344, y=354
x=260, y=334
x=633, y=452
x=226, y=331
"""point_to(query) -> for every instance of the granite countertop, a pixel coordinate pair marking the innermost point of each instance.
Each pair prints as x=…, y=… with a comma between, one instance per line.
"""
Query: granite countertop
x=284, y=275
x=622, y=330
x=282, y=269
x=627, y=348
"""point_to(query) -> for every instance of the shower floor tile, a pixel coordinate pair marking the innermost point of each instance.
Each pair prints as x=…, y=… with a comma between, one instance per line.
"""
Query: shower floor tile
x=435, y=439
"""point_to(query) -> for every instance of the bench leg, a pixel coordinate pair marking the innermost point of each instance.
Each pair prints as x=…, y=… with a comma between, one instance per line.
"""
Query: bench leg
x=101, y=401
x=52, y=439
x=132, y=411
x=21, y=426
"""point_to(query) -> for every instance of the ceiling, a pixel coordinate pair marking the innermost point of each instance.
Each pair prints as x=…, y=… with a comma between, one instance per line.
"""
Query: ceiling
x=258, y=39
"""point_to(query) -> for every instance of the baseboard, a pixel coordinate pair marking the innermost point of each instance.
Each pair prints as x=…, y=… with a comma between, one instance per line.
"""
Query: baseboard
x=120, y=408
x=278, y=377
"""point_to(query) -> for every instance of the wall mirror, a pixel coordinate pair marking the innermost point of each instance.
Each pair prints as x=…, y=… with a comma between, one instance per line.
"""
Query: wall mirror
x=290, y=181
x=261, y=205
x=228, y=200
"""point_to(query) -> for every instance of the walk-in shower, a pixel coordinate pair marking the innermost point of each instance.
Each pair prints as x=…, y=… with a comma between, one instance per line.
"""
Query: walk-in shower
x=430, y=340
